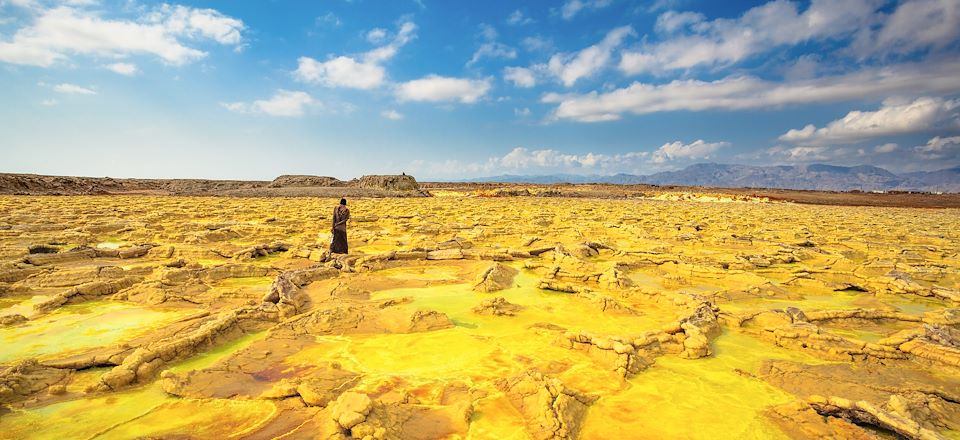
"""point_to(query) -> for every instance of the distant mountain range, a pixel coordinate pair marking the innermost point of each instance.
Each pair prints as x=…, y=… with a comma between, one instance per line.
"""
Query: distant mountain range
x=813, y=177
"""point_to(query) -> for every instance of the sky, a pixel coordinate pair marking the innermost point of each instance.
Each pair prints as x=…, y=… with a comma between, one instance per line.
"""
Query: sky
x=446, y=90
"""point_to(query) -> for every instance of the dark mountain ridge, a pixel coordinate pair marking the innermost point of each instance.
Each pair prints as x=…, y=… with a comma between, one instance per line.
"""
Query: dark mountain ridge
x=821, y=177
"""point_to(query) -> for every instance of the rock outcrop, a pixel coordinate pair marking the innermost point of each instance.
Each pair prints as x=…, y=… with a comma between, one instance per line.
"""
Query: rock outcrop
x=550, y=409
x=497, y=307
x=494, y=278
x=296, y=181
x=389, y=182
x=25, y=378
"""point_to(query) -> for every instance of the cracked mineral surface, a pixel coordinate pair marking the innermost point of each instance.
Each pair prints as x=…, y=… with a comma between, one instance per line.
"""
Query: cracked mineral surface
x=498, y=315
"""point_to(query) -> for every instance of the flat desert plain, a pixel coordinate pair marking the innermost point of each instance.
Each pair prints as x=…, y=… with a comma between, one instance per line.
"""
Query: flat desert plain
x=459, y=316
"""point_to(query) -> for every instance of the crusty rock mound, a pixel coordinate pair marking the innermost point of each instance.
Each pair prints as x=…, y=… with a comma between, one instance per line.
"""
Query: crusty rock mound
x=393, y=183
x=19, y=381
x=494, y=278
x=296, y=181
x=551, y=410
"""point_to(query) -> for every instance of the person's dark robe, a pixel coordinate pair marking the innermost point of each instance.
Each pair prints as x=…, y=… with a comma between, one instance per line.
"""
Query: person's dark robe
x=339, y=243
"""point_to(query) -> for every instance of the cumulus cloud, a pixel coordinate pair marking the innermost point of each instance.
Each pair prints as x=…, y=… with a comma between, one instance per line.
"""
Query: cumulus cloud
x=892, y=118
x=569, y=68
x=57, y=33
x=547, y=161
x=392, y=115
x=698, y=149
x=198, y=23
x=284, y=103
x=491, y=48
x=520, y=76
x=886, y=148
x=939, y=148
x=691, y=41
x=73, y=89
x=673, y=21
x=571, y=8
x=377, y=35
x=127, y=69
x=536, y=44
x=341, y=71
x=435, y=88
x=800, y=153
x=362, y=72
x=913, y=25
x=524, y=159
x=747, y=92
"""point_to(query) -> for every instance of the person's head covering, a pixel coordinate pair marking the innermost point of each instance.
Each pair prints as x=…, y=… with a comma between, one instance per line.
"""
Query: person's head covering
x=343, y=202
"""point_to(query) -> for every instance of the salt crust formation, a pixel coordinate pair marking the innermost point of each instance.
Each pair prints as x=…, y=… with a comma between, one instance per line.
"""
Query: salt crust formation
x=872, y=307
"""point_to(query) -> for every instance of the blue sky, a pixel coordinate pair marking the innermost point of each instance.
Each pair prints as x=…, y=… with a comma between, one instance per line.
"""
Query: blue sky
x=446, y=90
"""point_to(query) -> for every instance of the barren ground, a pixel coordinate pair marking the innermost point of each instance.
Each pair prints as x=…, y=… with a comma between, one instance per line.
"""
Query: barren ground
x=670, y=315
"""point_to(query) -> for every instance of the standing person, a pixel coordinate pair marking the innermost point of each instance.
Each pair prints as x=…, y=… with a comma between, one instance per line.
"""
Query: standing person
x=340, y=216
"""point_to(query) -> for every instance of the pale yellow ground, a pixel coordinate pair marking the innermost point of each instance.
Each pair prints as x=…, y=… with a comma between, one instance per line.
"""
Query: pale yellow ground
x=672, y=247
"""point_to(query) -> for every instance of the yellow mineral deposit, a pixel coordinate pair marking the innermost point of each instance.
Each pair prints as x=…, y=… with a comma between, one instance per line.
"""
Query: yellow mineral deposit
x=477, y=314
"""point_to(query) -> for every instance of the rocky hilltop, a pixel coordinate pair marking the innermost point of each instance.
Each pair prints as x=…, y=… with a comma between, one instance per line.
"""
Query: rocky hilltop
x=394, y=183
x=68, y=185
x=300, y=181
x=286, y=185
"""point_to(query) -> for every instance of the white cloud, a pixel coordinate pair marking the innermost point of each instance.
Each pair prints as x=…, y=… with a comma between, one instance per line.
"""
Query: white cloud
x=672, y=21
x=376, y=35
x=330, y=19
x=659, y=5
x=364, y=72
x=760, y=29
x=49, y=102
x=521, y=158
x=341, y=71
x=745, y=92
x=516, y=18
x=546, y=161
x=392, y=115
x=198, y=23
x=73, y=89
x=886, y=148
x=522, y=112
x=435, y=88
x=491, y=48
x=939, y=148
x=573, y=7
x=892, y=118
x=571, y=67
x=128, y=69
x=520, y=76
x=678, y=150
x=536, y=44
x=57, y=33
x=800, y=154
x=283, y=103
x=914, y=25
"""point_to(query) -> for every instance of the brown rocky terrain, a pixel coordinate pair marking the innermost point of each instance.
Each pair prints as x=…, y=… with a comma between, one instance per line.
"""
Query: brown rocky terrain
x=284, y=186
x=407, y=186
